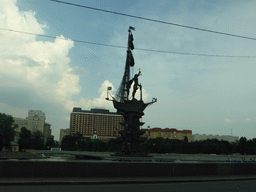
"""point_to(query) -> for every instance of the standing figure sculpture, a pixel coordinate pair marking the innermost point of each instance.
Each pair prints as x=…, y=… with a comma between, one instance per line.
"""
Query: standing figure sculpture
x=132, y=110
x=135, y=85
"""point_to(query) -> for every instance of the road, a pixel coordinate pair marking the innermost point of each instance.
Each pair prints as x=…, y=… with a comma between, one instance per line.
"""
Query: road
x=219, y=186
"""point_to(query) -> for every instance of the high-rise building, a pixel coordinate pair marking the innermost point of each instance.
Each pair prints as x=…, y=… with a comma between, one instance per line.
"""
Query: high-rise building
x=96, y=123
x=63, y=133
x=35, y=122
x=168, y=133
x=47, y=133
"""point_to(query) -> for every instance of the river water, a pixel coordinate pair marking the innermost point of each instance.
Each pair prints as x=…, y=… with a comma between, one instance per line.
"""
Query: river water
x=154, y=158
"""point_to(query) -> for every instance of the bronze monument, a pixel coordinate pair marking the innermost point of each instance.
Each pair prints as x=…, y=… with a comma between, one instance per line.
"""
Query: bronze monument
x=131, y=108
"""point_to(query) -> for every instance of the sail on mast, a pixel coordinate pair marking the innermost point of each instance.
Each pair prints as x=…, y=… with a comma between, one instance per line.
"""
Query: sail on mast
x=122, y=92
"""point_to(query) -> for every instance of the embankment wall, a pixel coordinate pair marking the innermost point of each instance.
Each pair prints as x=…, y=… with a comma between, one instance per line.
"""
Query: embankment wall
x=120, y=169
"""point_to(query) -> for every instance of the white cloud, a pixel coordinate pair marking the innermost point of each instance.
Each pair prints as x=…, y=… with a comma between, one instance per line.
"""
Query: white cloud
x=228, y=120
x=14, y=111
x=12, y=18
x=67, y=86
x=248, y=119
x=40, y=66
x=96, y=102
x=77, y=70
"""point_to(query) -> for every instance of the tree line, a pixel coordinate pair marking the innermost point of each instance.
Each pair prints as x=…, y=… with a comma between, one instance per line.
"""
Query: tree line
x=161, y=145
x=77, y=142
x=7, y=130
x=35, y=140
x=209, y=146
x=27, y=140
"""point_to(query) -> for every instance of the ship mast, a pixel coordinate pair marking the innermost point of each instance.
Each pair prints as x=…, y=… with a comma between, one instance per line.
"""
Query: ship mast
x=123, y=90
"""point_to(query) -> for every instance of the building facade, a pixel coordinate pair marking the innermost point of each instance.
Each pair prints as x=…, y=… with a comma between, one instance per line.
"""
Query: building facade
x=167, y=133
x=63, y=133
x=229, y=138
x=47, y=133
x=35, y=121
x=96, y=123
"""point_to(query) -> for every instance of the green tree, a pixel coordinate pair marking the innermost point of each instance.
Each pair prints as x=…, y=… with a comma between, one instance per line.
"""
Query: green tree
x=79, y=140
x=49, y=144
x=37, y=141
x=114, y=145
x=176, y=146
x=210, y=146
x=226, y=147
x=164, y=146
x=25, y=139
x=186, y=139
x=56, y=144
x=7, y=130
x=242, y=146
x=251, y=146
x=184, y=146
x=78, y=136
x=82, y=145
x=99, y=145
x=68, y=143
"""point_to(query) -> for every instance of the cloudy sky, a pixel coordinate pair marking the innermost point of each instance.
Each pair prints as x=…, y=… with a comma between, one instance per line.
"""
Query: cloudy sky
x=205, y=94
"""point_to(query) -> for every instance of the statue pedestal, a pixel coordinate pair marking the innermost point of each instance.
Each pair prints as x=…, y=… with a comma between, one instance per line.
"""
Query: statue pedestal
x=131, y=138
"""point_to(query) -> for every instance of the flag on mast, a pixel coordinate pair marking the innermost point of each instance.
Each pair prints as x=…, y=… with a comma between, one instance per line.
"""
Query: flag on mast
x=132, y=28
x=131, y=60
x=131, y=46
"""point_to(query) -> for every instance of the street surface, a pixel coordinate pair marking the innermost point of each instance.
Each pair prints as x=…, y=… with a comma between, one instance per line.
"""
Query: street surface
x=219, y=186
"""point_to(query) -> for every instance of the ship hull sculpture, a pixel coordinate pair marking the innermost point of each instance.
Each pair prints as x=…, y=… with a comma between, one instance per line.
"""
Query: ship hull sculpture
x=131, y=108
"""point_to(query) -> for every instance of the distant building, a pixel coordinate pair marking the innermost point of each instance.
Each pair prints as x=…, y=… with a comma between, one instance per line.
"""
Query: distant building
x=47, y=133
x=35, y=121
x=168, y=133
x=229, y=138
x=63, y=133
x=96, y=123
x=15, y=146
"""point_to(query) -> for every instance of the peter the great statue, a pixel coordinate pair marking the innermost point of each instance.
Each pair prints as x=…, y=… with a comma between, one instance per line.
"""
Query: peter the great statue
x=130, y=107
